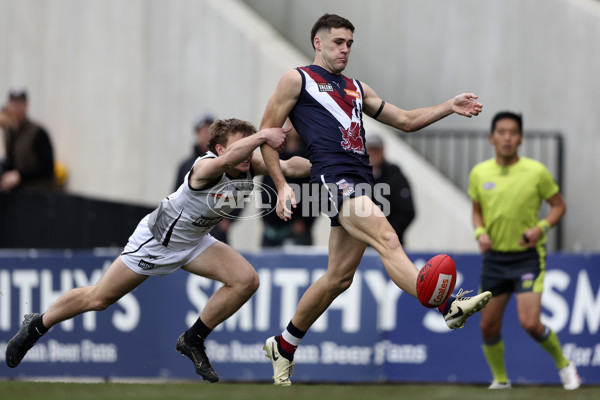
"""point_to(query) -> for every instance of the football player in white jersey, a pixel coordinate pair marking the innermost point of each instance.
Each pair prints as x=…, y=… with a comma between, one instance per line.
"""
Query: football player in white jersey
x=161, y=244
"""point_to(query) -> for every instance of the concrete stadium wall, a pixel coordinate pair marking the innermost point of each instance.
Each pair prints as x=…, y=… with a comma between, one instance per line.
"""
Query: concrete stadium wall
x=119, y=84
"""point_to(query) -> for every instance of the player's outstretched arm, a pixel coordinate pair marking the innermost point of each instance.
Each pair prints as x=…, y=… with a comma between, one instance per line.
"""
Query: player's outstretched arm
x=207, y=170
x=278, y=108
x=464, y=104
x=295, y=167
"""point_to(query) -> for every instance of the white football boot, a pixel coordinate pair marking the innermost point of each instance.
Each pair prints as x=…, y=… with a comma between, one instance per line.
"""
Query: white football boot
x=569, y=377
x=282, y=367
x=463, y=307
x=500, y=385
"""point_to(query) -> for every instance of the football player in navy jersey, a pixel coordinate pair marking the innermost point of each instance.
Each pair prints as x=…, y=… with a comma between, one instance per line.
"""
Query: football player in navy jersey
x=325, y=107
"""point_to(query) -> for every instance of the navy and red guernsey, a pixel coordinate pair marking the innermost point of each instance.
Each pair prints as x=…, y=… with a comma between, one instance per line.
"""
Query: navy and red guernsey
x=328, y=117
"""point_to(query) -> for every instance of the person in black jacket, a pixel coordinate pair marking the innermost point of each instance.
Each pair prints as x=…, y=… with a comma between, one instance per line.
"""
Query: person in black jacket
x=402, y=209
x=29, y=155
x=298, y=230
x=201, y=134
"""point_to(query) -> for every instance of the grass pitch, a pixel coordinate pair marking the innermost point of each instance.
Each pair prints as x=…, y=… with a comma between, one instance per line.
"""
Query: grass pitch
x=10, y=390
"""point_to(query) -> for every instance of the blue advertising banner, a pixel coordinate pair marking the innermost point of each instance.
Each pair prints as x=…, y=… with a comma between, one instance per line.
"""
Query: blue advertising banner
x=373, y=332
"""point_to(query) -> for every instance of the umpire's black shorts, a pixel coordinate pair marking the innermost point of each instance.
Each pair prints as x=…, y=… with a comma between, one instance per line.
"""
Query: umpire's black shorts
x=516, y=272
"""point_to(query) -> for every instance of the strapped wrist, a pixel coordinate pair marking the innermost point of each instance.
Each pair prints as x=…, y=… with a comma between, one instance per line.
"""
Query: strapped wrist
x=480, y=230
x=544, y=225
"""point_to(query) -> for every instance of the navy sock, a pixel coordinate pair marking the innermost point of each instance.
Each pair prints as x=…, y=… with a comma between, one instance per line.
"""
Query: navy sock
x=448, y=304
x=197, y=333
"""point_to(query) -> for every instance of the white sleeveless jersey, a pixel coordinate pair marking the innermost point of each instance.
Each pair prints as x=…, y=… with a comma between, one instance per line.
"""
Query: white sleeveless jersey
x=186, y=216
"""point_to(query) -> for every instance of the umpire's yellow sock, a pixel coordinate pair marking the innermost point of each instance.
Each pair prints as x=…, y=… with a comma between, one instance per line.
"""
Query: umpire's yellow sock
x=494, y=354
x=549, y=342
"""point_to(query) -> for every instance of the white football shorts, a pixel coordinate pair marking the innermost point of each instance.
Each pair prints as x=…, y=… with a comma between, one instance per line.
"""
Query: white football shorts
x=146, y=256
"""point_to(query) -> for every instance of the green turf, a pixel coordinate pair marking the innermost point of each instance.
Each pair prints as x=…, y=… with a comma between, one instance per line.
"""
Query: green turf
x=10, y=390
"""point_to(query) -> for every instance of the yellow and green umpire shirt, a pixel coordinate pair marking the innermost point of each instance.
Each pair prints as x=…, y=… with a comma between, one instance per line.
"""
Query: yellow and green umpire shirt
x=510, y=198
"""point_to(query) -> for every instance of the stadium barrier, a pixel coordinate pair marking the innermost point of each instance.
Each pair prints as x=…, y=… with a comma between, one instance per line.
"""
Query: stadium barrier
x=57, y=220
x=372, y=333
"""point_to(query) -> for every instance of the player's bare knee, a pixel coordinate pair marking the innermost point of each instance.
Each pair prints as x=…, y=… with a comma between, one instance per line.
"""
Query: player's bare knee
x=390, y=239
x=531, y=327
x=253, y=283
x=249, y=284
x=339, y=286
x=101, y=304
x=489, y=329
x=93, y=299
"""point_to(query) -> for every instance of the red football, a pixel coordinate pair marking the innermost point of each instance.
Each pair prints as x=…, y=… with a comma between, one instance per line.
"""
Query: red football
x=436, y=281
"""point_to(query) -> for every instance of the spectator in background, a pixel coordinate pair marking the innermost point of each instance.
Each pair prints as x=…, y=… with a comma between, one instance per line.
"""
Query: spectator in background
x=276, y=231
x=203, y=122
x=29, y=159
x=6, y=122
x=201, y=132
x=402, y=210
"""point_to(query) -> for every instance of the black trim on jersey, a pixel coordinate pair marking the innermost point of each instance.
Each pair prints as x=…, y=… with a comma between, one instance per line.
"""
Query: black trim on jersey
x=170, y=231
x=380, y=110
x=211, y=184
x=138, y=249
x=188, y=179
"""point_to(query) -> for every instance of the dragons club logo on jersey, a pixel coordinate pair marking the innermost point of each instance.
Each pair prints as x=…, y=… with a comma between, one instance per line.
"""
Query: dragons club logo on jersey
x=351, y=139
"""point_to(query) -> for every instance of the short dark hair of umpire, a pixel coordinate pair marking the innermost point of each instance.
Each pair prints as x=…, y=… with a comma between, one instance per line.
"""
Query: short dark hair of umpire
x=510, y=115
x=328, y=21
x=222, y=129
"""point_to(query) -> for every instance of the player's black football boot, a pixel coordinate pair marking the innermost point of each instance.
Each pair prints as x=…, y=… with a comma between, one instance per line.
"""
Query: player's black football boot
x=20, y=344
x=198, y=355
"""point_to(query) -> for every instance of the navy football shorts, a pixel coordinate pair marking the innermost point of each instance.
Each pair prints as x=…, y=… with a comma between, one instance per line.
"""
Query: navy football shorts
x=338, y=187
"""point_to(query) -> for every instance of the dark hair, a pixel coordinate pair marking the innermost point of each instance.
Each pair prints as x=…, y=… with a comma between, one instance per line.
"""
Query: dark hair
x=510, y=115
x=17, y=94
x=328, y=21
x=203, y=119
x=222, y=129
